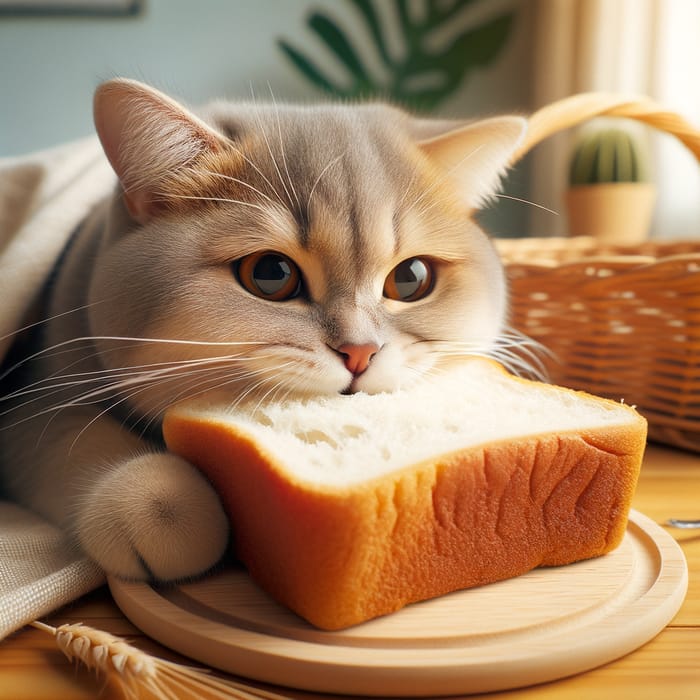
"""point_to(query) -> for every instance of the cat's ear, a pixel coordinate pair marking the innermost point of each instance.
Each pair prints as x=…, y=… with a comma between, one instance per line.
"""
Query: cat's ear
x=475, y=155
x=147, y=136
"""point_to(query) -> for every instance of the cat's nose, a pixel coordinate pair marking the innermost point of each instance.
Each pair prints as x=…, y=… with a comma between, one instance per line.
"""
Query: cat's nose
x=357, y=357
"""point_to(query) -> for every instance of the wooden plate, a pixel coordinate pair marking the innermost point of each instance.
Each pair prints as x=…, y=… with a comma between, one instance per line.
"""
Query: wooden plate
x=546, y=624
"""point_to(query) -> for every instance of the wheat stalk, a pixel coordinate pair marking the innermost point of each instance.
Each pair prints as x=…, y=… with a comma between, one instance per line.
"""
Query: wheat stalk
x=134, y=671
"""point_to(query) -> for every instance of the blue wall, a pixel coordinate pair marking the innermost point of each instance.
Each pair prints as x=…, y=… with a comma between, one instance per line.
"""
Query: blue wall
x=196, y=50
x=49, y=66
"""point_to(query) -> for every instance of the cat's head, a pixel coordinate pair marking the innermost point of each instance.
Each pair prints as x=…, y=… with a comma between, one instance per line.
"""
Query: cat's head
x=311, y=249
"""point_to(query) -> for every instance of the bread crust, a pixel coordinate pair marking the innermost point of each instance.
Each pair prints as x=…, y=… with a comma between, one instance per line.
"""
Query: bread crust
x=341, y=555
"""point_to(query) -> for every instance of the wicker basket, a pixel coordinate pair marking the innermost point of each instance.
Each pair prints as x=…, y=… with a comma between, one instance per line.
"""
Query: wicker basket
x=619, y=322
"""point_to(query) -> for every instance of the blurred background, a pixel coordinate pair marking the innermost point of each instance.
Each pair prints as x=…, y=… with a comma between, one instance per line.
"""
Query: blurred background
x=460, y=58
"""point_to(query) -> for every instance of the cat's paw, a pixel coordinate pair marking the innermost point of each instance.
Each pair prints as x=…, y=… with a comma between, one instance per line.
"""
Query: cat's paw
x=153, y=516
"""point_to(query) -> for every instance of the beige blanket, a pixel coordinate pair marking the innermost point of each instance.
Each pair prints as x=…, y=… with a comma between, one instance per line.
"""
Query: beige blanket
x=43, y=197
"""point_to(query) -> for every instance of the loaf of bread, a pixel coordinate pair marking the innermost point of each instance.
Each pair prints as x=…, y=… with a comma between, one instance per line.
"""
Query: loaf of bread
x=349, y=507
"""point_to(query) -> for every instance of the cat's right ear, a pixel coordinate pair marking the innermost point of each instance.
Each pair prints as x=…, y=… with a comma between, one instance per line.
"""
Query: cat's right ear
x=475, y=155
x=147, y=136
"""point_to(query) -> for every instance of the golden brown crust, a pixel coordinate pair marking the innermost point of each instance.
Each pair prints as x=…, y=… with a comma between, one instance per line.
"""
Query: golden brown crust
x=339, y=556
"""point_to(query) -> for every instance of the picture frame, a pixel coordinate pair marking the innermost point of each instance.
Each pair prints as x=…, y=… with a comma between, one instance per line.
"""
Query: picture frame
x=113, y=8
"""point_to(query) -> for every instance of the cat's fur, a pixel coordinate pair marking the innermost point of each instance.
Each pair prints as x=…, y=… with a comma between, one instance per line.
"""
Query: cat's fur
x=145, y=308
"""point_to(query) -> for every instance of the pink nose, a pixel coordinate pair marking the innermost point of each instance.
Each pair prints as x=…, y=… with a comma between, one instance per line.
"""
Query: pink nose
x=357, y=357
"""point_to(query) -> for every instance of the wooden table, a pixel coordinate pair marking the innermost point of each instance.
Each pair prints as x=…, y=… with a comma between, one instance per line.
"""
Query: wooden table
x=668, y=667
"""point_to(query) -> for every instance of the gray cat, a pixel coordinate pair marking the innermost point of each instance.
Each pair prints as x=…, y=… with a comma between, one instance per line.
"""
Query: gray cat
x=261, y=250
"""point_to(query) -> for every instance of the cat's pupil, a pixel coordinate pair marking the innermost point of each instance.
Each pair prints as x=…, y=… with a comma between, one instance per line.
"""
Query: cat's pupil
x=409, y=276
x=409, y=280
x=269, y=275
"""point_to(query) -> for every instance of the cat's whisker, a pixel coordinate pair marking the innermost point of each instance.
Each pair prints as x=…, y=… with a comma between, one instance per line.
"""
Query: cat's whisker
x=60, y=378
x=509, y=337
x=103, y=391
x=226, y=200
x=261, y=381
x=424, y=208
x=515, y=351
x=111, y=407
x=253, y=387
x=273, y=160
x=241, y=398
x=437, y=182
x=176, y=341
x=427, y=373
x=526, y=201
x=43, y=390
x=37, y=397
x=124, y=397
x=45, y=321
x=223, y=379
x=238, y=181
x=47, y=352
x=512, y=363
x=82, y=357
x=223, y=376
x=154, y=413
x=259, y=172
x=318, y=180
x=57, y=381
x=417, y=374
x=97, y=397
x=524, y=344
x=44, y=352
x=164, y=374
x=519, y=365
x=282, y=149
x=251, y=163
x=272, y=391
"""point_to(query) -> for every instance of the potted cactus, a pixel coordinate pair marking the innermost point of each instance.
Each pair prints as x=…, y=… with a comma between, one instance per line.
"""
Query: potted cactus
x=610, y=196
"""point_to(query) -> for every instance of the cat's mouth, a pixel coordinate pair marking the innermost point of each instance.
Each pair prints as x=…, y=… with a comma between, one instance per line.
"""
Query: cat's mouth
x=352, y=387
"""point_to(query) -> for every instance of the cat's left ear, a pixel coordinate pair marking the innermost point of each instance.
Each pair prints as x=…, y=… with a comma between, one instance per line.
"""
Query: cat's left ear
x=147, y=137
x=475, y=156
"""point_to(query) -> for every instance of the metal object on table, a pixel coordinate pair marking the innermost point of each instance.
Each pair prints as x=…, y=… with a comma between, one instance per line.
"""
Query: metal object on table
x=683, y=524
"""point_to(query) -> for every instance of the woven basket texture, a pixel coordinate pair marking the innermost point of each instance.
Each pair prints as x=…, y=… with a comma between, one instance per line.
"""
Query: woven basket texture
x=620, y=322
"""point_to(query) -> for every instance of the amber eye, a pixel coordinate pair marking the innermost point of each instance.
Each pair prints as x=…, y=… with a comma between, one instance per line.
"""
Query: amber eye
x=410, y=280
x=269, y=275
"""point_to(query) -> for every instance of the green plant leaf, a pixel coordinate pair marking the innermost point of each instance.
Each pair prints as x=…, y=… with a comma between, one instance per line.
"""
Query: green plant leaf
x=583, y=162
x=421, y=79
x=477, y=47
x=471, y=49
x=366, y=9
x=341, y=47
x=608, y=155
x=439, y=11
x=308, y=68
x=401, y=7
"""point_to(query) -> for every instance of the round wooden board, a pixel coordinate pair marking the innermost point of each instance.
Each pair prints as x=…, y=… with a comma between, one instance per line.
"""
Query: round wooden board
x=544, y=625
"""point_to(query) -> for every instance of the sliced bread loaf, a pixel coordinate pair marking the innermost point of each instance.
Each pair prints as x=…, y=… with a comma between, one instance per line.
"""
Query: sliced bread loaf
x=348, y=507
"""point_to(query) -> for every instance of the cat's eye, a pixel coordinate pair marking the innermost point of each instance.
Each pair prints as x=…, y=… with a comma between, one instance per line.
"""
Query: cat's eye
x=269, y=275
x=410, y=280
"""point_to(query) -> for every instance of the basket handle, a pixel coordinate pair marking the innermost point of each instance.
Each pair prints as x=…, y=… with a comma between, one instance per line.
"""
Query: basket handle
x=574, y=110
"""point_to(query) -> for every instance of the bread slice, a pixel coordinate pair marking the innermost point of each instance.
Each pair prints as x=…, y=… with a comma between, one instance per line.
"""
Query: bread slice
x=345, y=508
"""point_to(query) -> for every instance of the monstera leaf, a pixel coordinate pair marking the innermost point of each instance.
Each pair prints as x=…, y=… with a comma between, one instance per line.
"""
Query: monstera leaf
x=423, y=76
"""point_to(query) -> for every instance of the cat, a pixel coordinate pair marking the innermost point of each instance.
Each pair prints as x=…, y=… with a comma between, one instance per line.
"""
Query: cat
x=262, y=250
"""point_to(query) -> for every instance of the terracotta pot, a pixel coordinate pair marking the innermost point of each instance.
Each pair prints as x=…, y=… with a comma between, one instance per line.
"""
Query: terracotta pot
x=618, y=212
